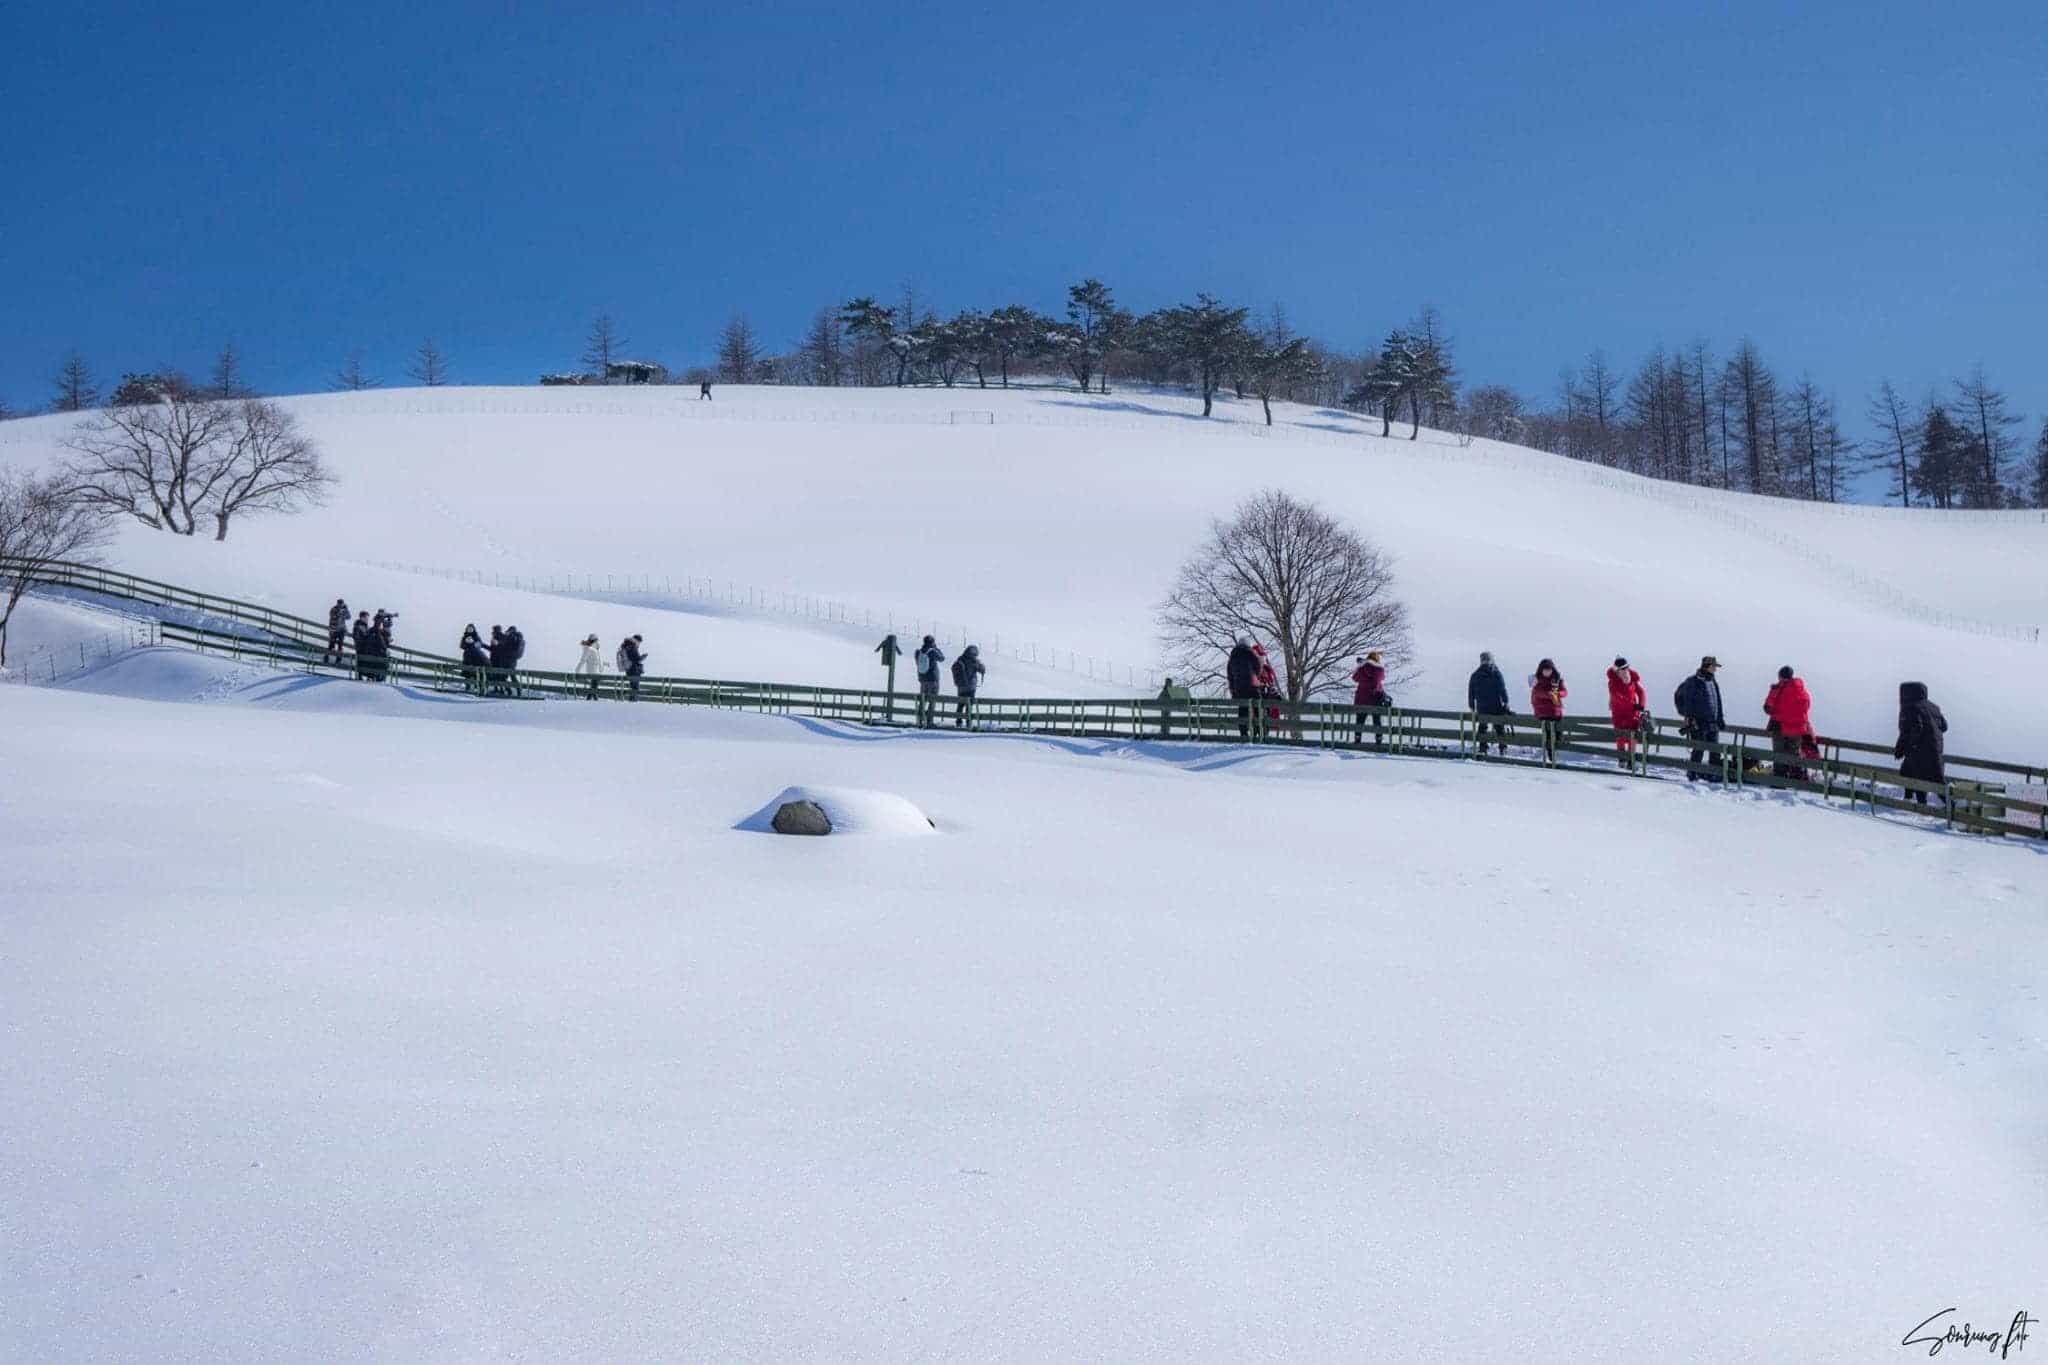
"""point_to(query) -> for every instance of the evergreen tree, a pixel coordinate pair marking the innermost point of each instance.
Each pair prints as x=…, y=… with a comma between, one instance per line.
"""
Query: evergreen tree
x=1209, y=338
x=352, y=376
x=2040, y=489
x=868, y=321
x=1014, y=333
x=429, y=366
x=1278, y=362
x=1938, y=468
x=75, y=389
x=1093, y=325
x=822, y=357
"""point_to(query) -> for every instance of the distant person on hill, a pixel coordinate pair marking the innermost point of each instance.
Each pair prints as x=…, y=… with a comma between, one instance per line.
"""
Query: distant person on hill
x=1698, y=702
x=1369, y=690
x=703, y=389
x=476, y=660
x=1172, y=698
x=968, y=671
x=337, y=631
x=1242, y=668
x=928, y=658
x=1627, y=707
x=515, y=650
x=358, y=633
x=1546, y=700
x=1486, y=694
x=1790, y=708
x=590, y=665
x=1921, y=746
x=632, y=661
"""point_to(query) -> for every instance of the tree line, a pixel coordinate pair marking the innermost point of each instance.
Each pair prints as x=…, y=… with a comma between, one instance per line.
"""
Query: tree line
x=1684, y=414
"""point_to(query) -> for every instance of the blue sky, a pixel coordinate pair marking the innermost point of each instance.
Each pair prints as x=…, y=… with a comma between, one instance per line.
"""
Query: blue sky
x=1861, y=187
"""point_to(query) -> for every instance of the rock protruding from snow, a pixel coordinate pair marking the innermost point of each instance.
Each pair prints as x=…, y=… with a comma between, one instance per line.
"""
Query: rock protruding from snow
x=838, y=810
x=801, y=817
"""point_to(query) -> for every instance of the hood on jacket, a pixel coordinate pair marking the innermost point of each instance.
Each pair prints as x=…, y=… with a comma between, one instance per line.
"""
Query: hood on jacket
x=1910, y=692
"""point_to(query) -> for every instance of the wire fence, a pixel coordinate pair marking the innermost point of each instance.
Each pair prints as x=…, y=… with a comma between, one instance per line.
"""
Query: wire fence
x=58, y=663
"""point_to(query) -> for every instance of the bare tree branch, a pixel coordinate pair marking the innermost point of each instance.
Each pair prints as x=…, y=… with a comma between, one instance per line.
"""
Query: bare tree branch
x=40, y=524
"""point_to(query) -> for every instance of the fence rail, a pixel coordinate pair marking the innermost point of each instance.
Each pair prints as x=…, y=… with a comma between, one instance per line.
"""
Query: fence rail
x=1996, y=797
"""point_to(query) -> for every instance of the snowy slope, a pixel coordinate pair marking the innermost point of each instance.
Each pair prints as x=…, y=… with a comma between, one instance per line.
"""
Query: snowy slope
x=345, y=1024
x=1057, y=522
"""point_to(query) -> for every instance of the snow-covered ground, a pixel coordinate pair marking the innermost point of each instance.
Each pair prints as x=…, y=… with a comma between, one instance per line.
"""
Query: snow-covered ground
x=349, y=1022
x=344, y=1023
x=1057, y=525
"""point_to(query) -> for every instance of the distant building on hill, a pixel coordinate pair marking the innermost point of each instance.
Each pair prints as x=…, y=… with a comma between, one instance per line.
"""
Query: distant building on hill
x=555, y=379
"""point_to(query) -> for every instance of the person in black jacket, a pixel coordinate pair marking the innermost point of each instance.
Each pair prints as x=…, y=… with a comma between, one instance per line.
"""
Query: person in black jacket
x=494, y=655
x=632, y=661
x=1698, y=702
x=373, y=653
x=1486, y=694
x=1921, y=727
x=475, y=660
x=515, y=650
x=358, y=633
x=337, y=631
x=1242, y=667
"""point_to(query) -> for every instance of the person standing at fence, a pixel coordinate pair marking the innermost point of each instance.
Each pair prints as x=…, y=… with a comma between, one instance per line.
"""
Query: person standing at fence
x=1627, y=707
x=1698, y=702
x=968, y=671
x=373, y=653
x=928, y=658
x=1546, y=699
x=590, y=665
x=1921, y=746
x=495, y=653
x=1486, y=694
x=1238, y=672
x=337, y=632
x=1790, y=709
x=1172, y=698
x=515, y=650
x=1369, y=694
x=476, y=661
x=1266, y=681
x=358, y=634
x=632, y=662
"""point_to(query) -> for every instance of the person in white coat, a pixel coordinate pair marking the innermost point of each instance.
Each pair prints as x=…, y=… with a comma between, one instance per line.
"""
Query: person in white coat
x=591, y=665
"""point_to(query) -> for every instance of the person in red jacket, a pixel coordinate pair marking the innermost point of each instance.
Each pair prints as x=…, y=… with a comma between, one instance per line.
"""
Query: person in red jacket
x=1627, y=707
x=1370, y=692
x=1266, y=682
x=1790, y=708
x=1546, y=699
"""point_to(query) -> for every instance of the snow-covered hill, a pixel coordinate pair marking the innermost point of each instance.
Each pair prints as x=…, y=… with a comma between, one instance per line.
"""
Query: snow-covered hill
x=1048, y=523
x=343, y=1023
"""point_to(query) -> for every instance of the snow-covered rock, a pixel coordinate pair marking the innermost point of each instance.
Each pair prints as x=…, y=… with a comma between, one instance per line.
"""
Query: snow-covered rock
x=842, y=810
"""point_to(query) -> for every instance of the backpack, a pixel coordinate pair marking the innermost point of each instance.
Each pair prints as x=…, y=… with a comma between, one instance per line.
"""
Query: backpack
x=621, y=659
x=959, y=673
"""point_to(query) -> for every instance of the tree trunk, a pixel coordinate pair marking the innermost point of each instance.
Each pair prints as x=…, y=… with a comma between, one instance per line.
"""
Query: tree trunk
x=1415, y=413
x=1267, y=401
x=1006, y=370
x=1208, y=397
x=220, y=526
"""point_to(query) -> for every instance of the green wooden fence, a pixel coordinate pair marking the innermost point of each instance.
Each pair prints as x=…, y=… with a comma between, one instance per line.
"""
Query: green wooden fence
x=1980, y=794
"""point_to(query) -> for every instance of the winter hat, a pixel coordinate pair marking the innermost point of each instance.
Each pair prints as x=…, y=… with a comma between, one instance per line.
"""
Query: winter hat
x=636, y=639
x=1620, y=662
x=590, y=640
x=1785, y=673
x=1709, y=661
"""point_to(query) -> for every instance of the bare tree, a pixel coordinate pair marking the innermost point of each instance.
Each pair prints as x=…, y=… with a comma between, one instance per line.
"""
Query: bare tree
x=142, y=460
x=822, y=357
x=1982, y=410
x=352, y=376
x=75, y=389
x=1890, y=415
x=265, y=464
x=601, y=348
x=40, y=524
x=1287, y=572
x=227, y=373
x=739, y=352
x=429, y=366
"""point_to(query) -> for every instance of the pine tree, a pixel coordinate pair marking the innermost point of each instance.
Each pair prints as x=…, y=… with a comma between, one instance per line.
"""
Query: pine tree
x=1209, y=338
x=227, y=374
x=823, y=353
x=74, y=384
x=352, y=376
x=429, y=366
x=602, y=346
x=1938, y=470
x=739, y=352
x=2041, y=466
x=1092, y=327
x=868, y=321
x=1982, y=410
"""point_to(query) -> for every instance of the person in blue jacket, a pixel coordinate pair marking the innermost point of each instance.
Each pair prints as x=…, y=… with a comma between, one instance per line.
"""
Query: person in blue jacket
x=1698, y=702
x=1486, y=694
